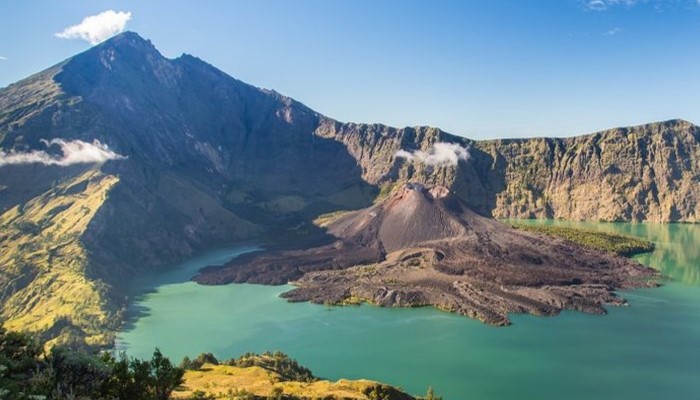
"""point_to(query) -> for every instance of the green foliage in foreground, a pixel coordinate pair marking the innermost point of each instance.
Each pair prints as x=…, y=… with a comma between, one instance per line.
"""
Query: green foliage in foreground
x=277, y=362
x=290, y=371
x=610, y=242
x=27, y=373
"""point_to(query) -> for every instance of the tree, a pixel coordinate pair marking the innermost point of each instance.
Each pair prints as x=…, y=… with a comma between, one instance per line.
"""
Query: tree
x=19, y=358
x=207, y=358
x=276, y=394
x=430, y=395
x=196, y=364
x=186, y=363
x=134, y=379
x=74, y=372
x=166, y=377
x=199, y=395
x=71, y=374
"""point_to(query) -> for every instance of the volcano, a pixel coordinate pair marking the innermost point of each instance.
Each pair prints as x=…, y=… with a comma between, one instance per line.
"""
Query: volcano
x=424, y=246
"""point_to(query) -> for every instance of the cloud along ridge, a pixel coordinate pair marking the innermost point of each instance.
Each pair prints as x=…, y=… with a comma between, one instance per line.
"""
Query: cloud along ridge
x=439, y=154
x=72, y=152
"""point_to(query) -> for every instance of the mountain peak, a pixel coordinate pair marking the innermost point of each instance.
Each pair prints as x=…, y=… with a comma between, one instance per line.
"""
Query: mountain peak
x=127, y=38
x=117, y=62
x=127, y=42
x=678, y=121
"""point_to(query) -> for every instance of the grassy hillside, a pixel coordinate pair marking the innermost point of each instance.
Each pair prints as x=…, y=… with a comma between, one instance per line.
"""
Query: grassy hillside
x=222, y=381
x=272, y=376
x=43, y=277
x=610, y=242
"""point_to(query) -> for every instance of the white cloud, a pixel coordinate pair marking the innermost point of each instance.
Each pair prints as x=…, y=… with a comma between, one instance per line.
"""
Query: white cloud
x=659, y=5
x=5, y=58
x=600, y=5
x=596, y=5
x=72, y=152
x=96, y=28
x=615, y=31
x=440, y=154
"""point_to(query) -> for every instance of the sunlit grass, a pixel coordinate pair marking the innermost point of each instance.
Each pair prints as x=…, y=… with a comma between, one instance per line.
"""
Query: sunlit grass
x=44, y=263
x=610, y=242
x=227, y=381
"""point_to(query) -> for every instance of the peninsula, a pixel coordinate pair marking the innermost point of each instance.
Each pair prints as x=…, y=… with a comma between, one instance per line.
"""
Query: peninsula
x=424, y=246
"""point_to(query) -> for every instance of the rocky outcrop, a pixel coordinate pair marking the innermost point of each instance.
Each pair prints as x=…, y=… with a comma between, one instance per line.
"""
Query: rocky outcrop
x=643, y=173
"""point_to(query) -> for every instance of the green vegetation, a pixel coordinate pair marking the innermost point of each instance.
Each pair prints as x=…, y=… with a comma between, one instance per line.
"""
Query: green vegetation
x=324, y=220
x=431, y=395
x=197, y=363
x=384, y=191
x=288, y=368
x=274, y=376
x=27, y=372
x=46, y=288
x=610, y=242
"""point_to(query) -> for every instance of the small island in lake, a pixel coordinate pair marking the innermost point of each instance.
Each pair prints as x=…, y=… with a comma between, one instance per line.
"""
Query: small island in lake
x=424, y=246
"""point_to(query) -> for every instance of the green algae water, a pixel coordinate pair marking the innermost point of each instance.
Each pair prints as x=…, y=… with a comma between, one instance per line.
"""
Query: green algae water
x=649, y=350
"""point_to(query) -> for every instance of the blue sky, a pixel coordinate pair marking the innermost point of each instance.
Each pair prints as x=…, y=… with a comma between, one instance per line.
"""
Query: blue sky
x=480, y=69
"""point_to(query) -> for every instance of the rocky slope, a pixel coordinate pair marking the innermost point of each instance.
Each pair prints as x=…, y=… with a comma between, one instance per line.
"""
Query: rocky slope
x=425, y=246
x=643, y=173
x=205, y=160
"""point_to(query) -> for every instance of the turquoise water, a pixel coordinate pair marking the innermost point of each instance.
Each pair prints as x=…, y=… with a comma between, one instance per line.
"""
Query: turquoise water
x=649, y=350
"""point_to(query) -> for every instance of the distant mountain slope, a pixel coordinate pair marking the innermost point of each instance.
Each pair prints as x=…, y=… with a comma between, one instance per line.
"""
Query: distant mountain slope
x=206, y=160
x=644, y=173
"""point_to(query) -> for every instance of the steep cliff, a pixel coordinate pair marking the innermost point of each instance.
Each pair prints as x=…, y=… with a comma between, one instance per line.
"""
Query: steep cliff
x=642, y=173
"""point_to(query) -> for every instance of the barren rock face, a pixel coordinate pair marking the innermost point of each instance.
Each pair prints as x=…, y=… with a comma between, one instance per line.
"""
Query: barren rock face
x=424, y=246
x=643, y=173
x=412, y=215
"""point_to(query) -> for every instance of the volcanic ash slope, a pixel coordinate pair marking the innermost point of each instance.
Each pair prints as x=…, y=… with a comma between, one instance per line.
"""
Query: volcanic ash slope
x=424, y=246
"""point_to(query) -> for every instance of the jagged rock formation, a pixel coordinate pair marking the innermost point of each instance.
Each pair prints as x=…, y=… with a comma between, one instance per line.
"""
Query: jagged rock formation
x=424, y=246
x=643, y=173
x=210, y=160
